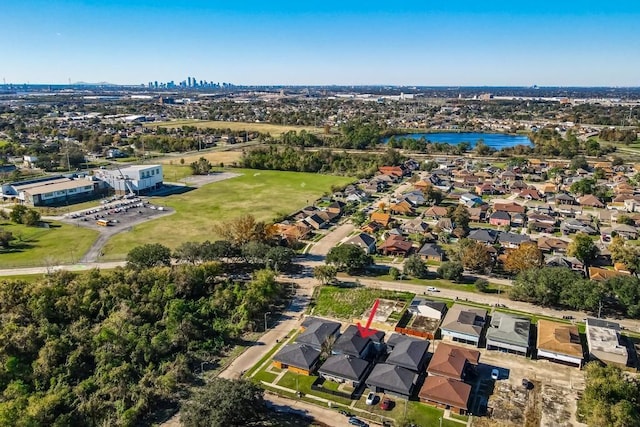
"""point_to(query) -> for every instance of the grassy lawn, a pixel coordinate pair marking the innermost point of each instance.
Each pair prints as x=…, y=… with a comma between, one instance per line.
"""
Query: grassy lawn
x=446, y=284
x=263, y=194
x=396, y=412
x=346, y=303
x=35, y=246
x=426, y=415
x=303, y=383
x=274, y=130
x=270, y=353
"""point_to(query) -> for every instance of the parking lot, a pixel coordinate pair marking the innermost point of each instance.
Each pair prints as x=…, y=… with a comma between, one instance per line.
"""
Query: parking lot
x=118, y=213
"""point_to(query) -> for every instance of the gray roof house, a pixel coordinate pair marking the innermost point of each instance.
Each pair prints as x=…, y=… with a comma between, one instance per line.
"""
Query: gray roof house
x=410, y=353
x=391, y=379
x=364, y=241
x=300, y=356
x=343, y=368
x=431, y=251
x=509, y=333
x=464, y=324
x=512, y=240
x=351, y=343
x=605, y=343
x=483, y=235
x=317, y=332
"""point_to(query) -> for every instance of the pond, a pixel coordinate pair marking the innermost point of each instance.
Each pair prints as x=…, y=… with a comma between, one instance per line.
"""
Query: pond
x=493, y=140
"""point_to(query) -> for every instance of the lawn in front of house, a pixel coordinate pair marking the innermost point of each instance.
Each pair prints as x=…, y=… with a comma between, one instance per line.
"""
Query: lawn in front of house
x=350, y=302
x=426, y=415
x=264, y=194
x=38, y=246
x=303, y=384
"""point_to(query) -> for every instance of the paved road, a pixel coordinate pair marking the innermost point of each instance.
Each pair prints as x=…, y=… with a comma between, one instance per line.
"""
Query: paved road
x=68, y=267
x=321, y=248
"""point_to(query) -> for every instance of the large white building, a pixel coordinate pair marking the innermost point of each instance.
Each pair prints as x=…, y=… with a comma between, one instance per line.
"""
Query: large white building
x=131, y=179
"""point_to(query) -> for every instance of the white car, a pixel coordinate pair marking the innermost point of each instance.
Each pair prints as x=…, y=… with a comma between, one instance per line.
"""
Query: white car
x=495, y=374
x=371, y=397
x=432, y=289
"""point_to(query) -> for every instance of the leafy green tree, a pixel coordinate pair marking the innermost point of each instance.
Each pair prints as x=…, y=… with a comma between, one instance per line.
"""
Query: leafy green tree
x=223, y=402
x=473, y=255
x=626, y=290
x=31, y=218
x=481, y=285
x=584, y=186
x=349, y=258
x=451, y=270
x=415, y=266
x=255, y=252
x=578, y=162
x=201, y=167
x=460, y=217
x=583, y=247
x=394, y=273
x=359, y=218
x=325, y=274
x=279, y=258
x=610, y=398
x=190, y=252
x=6, y=237
x=17, y=213
x=544, y=286
x=149, y=255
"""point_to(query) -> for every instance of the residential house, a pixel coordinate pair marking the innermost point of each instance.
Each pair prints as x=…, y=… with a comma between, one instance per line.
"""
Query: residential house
x=512, y=240
x=464, y=324
x=476, y=214
x=605, y=342
x=364, y=241
x=393, y=171
x=559, y=342
x=445, y=393
x=500, y=219
x=517, y=219
x=403, y=207
x=530, y=194
x=316, y=332
x=552, y=245
x=483, y=235
x=435, y=212
x=559, y=260
x=486, y=188
x=415, y=226
x=626, y=231
x=471, y=200
x=381, y=218
x=342, y=368
x=416, y=198
x=395, y=245
x=445, y=224
x=572, y=225
x=602, y=274
x=392, y=379
x=430, y=309
x=564, y=199
x=353, y=344
x=409, y=353
x=336, y=208
x=294, y=232
x=549, y=188
x=453, y=362
x=591, y=201
x=372, y=227
x=316, y=221
x=431, y=252
x=509, y=207
x=298, y=358
x=509, y=333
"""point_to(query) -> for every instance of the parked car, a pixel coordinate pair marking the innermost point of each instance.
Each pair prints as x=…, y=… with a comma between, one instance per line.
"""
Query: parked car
x=495, y=374
x=385, y=405
x=371, y=398
x=357, y=422
x=432, y=289
x=345, y=413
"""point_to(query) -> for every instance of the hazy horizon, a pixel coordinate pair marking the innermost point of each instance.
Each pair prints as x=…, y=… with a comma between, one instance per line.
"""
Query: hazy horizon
x=461, y=44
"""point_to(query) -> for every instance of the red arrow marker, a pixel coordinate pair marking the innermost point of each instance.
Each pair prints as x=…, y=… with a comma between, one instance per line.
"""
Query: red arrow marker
x=365, y=331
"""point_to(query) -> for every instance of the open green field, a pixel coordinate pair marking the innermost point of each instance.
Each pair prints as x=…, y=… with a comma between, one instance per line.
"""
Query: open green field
x=346, y=303
x=36, y=246
x=263, y=194
x=274, y=130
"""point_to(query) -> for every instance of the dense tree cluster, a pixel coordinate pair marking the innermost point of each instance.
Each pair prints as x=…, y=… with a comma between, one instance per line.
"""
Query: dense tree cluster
x=349, y=258
x=561, y=287
x=322, y=161
x=107, y=348
x=610, y=399
x=20, y=214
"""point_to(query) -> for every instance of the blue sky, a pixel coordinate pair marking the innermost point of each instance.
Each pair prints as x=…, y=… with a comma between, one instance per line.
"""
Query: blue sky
x=514, y=43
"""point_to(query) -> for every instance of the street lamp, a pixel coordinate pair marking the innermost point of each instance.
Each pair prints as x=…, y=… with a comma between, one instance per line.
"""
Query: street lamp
x=440, y=421
x=265, y=320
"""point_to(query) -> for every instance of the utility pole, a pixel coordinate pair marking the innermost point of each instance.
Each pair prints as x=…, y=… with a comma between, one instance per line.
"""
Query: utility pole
x=265, y=320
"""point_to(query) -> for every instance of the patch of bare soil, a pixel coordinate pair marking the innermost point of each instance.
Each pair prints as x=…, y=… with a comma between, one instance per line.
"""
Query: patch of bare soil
x=555, y=406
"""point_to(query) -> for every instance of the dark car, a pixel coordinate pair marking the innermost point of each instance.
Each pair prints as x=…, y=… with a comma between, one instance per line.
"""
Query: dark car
x=357, y=422
x=385, y=405
x=345, y=413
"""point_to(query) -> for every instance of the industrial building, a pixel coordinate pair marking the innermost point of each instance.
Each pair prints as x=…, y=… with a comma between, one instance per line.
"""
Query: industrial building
x=137, y=179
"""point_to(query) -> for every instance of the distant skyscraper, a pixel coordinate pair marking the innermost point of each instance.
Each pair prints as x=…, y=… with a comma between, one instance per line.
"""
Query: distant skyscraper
x=188, y=81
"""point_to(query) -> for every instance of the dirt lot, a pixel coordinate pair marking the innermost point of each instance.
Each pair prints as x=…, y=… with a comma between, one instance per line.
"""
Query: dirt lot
x=551, y=401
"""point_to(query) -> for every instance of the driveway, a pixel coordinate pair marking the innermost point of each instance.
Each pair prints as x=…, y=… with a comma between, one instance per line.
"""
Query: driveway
x=322, y=248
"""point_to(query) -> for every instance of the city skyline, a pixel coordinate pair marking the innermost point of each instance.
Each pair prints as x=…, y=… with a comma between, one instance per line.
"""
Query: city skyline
x=330, y=43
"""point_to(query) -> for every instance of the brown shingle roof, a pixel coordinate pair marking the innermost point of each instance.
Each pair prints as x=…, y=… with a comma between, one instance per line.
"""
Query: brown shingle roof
x=449, y=360
x=559, y=338
x=445, y=391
